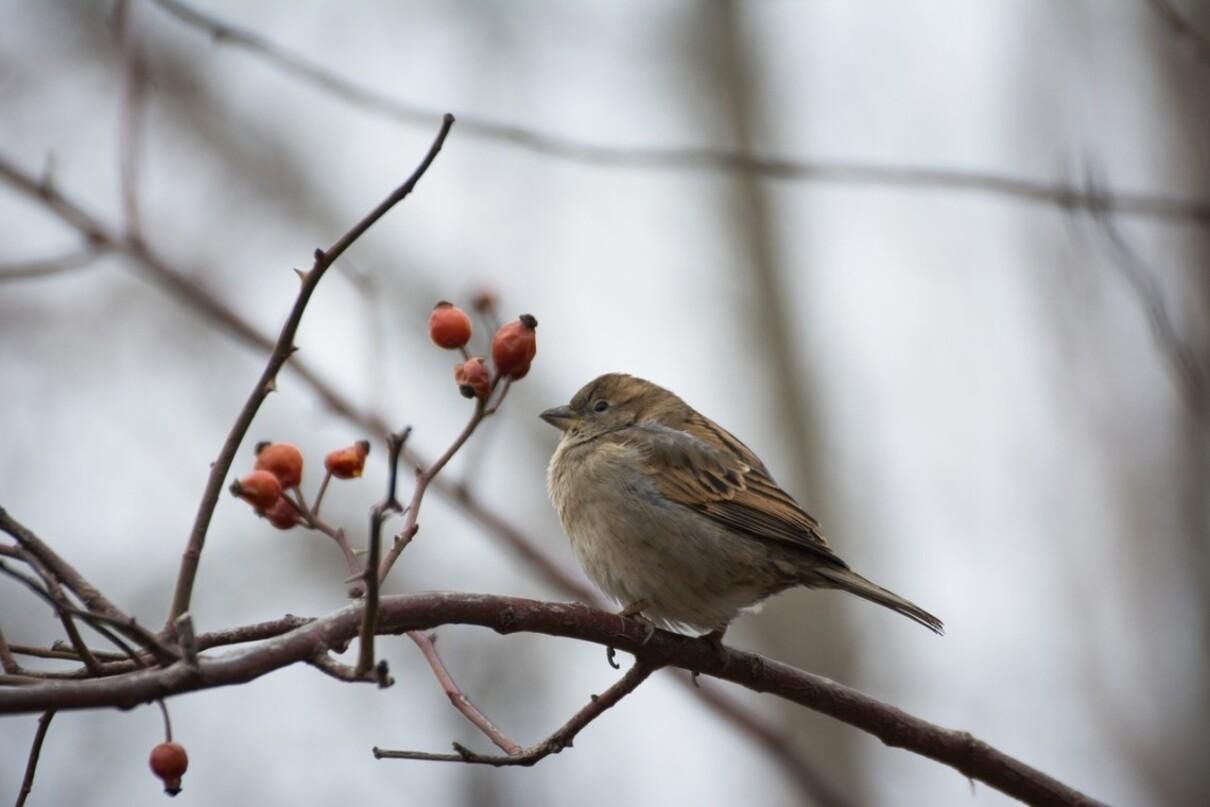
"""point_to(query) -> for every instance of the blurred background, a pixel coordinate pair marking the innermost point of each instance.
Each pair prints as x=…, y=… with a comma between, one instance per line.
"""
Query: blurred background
x=941, y=264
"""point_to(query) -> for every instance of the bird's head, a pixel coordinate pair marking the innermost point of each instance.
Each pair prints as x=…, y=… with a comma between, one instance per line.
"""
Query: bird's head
x=611, y=402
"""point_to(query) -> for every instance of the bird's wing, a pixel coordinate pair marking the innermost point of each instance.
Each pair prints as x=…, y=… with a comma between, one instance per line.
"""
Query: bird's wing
x=705, y=468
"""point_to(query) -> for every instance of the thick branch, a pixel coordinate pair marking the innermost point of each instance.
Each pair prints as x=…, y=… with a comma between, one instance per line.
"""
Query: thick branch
x=970, y=756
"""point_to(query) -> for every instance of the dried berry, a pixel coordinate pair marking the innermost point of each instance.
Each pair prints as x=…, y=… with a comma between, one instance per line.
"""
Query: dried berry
x=169, y=761
x=473, y=378
x=449, y=326
x=282, y=515
x=348, y=463
x=484, y=300
x=259, y=488
x=283, y=460
x=514, y=347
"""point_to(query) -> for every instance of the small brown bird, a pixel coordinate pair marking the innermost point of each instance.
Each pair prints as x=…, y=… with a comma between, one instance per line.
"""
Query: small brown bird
x=679, y=521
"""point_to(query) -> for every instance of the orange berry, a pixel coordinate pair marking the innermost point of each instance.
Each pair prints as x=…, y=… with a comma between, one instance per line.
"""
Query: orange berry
x=348, y=463
x=259, y=488
x=283, y=460
x=282, y=515
x=169, y=761
x=473, y=378
x=514, y=347
x=449, y=326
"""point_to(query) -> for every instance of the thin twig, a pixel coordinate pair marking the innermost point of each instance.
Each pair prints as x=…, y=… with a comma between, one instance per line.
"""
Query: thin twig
x=1181, y=358
x=380, y=675
x=161, y=652
x=323, y=488
x=378, y=515
x=556, y=742
x=282, y=351
x=134, y=82
x=93, y=599
x=426, y=477
x=58, y=264
x=459, y=699
x=312, y=520
x=720, y=160
x=62, y=606
x=35, y=750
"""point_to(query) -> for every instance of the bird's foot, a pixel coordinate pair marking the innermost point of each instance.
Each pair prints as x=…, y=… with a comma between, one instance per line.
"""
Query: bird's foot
x=635, y=611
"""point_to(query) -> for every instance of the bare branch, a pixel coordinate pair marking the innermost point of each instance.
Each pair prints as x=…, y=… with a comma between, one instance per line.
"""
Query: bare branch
x=93, y=599
x=426, y=477
x=970, y=756
x=282, y=350
x=378, y=515
x=556, y=742
x=380, y=675
x=35, y=750
x=57, y=264
x=134, y=83
x=62, y=606
x=458, y=698
x=1181, y=358
x=1062, y=195
x=127, y=625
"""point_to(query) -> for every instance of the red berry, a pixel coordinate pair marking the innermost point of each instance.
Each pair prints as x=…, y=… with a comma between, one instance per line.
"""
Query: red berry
x=348, y=463
x=449, y=326
x=259, y=488
x=473, y=378
x=169, y=761
x=282, y=515
x=283, y=460
x=514, y=347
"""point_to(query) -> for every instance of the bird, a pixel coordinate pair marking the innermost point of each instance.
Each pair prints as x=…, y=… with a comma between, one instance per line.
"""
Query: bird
x=680, y=522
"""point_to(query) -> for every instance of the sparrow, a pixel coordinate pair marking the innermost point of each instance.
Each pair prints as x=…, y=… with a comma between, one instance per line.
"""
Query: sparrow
x=679, y=521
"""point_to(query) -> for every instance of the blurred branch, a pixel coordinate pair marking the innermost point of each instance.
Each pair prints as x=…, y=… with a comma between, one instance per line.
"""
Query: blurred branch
x=134, y=82
x=562, y=738
x=970, y=756
x=1182, y=359
x=282, y=350
x=1182, y=28
x=42, y=267
x=1062, y=195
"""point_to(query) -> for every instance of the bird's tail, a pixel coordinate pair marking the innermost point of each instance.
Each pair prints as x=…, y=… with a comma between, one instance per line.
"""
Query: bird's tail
x=852, y=582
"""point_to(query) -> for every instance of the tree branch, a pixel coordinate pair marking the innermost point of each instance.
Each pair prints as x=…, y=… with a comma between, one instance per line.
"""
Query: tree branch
x=556, y=742
x=1062, y=195
x=35, y=750
x=282, y=351
x=458, y=698
x=971, y=757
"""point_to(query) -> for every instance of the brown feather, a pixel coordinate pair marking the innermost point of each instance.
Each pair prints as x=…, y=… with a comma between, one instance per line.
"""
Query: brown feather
x=695, y=462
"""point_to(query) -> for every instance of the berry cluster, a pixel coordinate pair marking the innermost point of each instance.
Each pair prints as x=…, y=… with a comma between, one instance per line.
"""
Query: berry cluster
x=513, y=348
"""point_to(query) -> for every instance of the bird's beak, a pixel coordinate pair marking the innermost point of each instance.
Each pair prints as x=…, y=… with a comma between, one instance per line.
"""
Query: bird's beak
x=561, y=417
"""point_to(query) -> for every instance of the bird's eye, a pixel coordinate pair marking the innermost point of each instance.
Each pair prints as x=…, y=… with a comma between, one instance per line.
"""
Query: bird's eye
x=600, y=406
